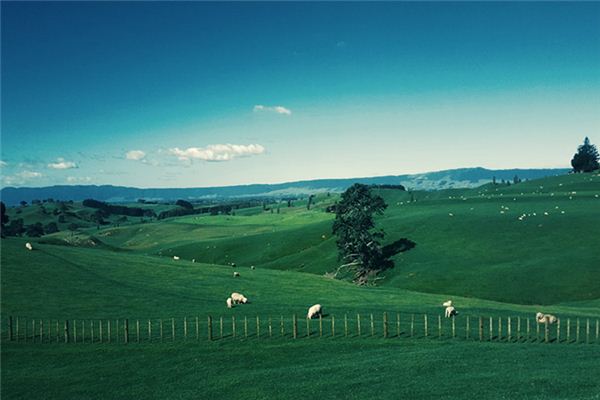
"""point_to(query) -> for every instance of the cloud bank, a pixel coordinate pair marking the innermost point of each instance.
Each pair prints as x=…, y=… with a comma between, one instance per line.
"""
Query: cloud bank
x=276, y=109
x=135, y=155
x=62, y=164
x=217, y=152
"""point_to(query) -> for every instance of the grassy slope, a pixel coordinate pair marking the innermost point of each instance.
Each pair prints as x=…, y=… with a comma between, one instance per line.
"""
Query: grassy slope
x=330, y=369
x=477, y=252
x=58, y=282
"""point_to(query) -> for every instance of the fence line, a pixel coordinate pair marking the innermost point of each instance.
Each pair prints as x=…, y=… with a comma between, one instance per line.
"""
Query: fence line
x=505, y=329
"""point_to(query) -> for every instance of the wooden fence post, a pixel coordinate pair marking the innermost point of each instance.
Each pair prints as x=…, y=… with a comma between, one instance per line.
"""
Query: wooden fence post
x=320, y=326
x=425, y=327
x=57, y=330
x=117, y=330
x=10, y=328
x=257, y=327
x=149, y=331
x=346, y=325
x=198, y=328
x=528, y=330
x=126, y=330
x=577, y=333
x=17, y=326
x=467, y=328
x=587, y=331
x=282, y=327
x=137, y=330
x=518, y=329
x=185, y=328
x=42, y=331
x=66, y=331
x=439, y=327
x=491, y=328
x=209, y=328
x=597, y=329
x=295, y=326
x=480, y=329
x=453, y=327
x=412, y=325
x=499, y=328
x=233, y=330
x=558, y=331
x=92, y=331
x=33, y=332
x=270, y=327
x=160, y=326
x=398, y=324
x=385, y=325
x=246, y=327
x=372, y=326
x=546, y=331
x=220, y=328
x=82, y=330
x=568, y=330
x=358, y=323
x=332, y=326
x=509, y=330
x=173, y=329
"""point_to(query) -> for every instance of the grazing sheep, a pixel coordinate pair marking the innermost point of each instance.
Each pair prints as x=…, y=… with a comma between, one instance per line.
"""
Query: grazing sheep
x=542, y=318
x=29, y=246
x=236, y=274
x=450, y=312
x=232, y=264
x=176, y=258
x=238, y=298
x=193, y=260
x=315, y=311
x=229, y=302
x=252, y=267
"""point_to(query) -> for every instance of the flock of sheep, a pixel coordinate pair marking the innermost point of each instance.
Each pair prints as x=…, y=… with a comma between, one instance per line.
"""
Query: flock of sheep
x=316, y=310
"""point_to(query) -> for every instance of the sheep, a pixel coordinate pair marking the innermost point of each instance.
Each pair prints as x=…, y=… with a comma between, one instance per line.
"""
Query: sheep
x=229, y=302
x=450, y=312
x=236, y=274
x=193, y=260
x=315, y=311
x=252, y=267
x=176, y=258
x=28, y=246
x=238, y=298
x=542, y=318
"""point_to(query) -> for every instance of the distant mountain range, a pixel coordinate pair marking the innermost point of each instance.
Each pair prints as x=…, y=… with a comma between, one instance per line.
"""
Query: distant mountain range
x=453, y=178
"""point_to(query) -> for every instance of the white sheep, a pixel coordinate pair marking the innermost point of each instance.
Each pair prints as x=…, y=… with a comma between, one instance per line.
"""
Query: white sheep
x=238, y=298
x=176, y=258
x=542, y=318
x=315, y=311
x=252, y=267
x=236, y=274
x=229, y=302
x=28, y=246
x=450, y=312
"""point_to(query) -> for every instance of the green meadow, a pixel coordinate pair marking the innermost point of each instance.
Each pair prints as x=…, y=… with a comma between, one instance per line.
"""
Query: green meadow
x=496, y=251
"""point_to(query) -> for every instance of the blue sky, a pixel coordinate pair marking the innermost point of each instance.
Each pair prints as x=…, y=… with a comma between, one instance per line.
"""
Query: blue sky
x=206, y=94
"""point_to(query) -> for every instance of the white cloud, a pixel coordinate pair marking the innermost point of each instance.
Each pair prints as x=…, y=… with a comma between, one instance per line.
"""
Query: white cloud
x=74, y=179
x=3, y=164
x=217, y=152
x=28, y=174
x=135, y=155
x=275, y=109
x=62, y=164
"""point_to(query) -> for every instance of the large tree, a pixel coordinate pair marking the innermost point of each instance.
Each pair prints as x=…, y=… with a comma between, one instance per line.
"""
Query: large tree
x=358, y=242
x=586, y=158
x=4, y=218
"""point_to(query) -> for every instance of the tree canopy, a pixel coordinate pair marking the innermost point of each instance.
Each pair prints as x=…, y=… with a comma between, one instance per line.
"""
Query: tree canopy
x=586, y=158
x=358, y=242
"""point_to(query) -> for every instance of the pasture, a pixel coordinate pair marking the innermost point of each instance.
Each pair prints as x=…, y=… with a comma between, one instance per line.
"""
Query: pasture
x=471, y=246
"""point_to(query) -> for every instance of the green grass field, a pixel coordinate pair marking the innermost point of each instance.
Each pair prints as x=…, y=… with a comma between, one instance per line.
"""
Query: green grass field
x=482, y=256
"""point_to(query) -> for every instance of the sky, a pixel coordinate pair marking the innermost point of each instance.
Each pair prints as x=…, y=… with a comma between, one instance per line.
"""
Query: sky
x=192, y=94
